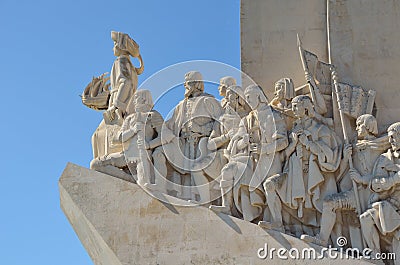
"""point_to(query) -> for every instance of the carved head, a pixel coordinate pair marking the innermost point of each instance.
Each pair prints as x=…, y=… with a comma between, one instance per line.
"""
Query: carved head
x=142, y=100
x=366, y=125
x=284, y=89
x=193, y=83
x=254, y=96
x=235, y=96
x=225, y=83
x=123, y=44
x=302, y=106
x=394, y=136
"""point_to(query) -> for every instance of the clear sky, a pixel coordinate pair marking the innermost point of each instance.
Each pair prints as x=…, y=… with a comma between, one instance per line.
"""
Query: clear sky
x=49, y=52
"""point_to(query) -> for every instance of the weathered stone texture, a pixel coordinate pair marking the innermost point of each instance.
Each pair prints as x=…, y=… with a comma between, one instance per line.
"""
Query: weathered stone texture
x=119, y=223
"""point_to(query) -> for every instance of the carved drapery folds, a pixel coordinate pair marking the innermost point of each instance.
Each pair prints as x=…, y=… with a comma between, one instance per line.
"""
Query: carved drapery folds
x=285, y=165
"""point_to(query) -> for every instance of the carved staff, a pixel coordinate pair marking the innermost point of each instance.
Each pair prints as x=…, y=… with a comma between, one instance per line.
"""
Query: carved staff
x=346, y=140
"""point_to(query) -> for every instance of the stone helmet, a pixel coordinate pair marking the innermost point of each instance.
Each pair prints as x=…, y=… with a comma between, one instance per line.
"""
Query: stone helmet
x=193, y=82
x=125, y=43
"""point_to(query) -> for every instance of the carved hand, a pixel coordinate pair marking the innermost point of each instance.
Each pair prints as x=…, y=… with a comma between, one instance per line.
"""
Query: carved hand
x=376, y=185
x=334, y=76
x=111, y=112
x=138, y=127
x=361, y=145
x=308, y=77
x=374, y=197
x=230, y=134
x=143, y=143
x=393, y=167
x=381, y=184
x=140, y=142
x=303, y=140
x=254, y=147
x=355, y=175
x=347, y=151
x=295, y=137
x=246, y=139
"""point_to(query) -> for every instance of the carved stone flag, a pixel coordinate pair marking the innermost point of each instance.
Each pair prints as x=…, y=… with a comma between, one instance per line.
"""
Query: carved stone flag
x=355, y=100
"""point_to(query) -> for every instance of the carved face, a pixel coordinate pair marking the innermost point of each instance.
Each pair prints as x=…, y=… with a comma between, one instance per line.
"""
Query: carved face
x=252, y=99
x=117, y=51
x=222, y=90
x=233, y=99
x=140, y=102
x=394, y=140
x=361, y=129
x=190, y=87
x=299, y=109
x=279, y=91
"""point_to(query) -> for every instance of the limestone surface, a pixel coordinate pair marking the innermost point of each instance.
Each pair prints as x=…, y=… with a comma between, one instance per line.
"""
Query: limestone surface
x=119, y=223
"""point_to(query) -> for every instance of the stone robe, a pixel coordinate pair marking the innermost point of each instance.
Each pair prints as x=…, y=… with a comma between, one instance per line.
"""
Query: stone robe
x=251, y=169
x=124, y=81
x=388, y=208
x=188, y=129
x=310, y=175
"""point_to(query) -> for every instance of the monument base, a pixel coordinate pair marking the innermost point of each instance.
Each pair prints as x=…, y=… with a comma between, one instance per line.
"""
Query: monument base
x=119, y=223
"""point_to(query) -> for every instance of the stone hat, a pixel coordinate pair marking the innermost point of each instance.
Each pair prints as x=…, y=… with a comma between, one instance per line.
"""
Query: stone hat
x=237, y=90
x=193, y=76
x=196, y=78
x=125, y=43
x=228, y=81
x=288, y=87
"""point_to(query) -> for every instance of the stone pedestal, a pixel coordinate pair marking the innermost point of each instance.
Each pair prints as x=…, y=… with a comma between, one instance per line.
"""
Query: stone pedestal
x=119, y=223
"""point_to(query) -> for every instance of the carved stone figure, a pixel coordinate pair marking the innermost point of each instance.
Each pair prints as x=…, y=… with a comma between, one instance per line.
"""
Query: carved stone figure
x=224, y=84
x=381, y=221
x=282, y=101
x=312, y=156
x=140, y=130
x=223, y=130
x=123, y=80
x=186, y=134
x=365, y=151
x=283, y=95
x=251, y=153
x=123, y=77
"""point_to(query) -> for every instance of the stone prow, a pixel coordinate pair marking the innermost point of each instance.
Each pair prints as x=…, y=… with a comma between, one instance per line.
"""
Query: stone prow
x=119, y=223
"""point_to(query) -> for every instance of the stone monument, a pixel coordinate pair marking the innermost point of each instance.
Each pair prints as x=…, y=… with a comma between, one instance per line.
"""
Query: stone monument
x=316, y=169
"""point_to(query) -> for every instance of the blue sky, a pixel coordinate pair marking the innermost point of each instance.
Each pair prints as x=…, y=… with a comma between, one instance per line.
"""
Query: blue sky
x=49, y=52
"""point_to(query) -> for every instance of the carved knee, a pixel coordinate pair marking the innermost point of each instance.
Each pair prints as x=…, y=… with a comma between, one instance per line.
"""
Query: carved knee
x=272, y=183
x=225, y=176
x=366, y=218
x=158, y=155
x=226, y=183
x=269, y=185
